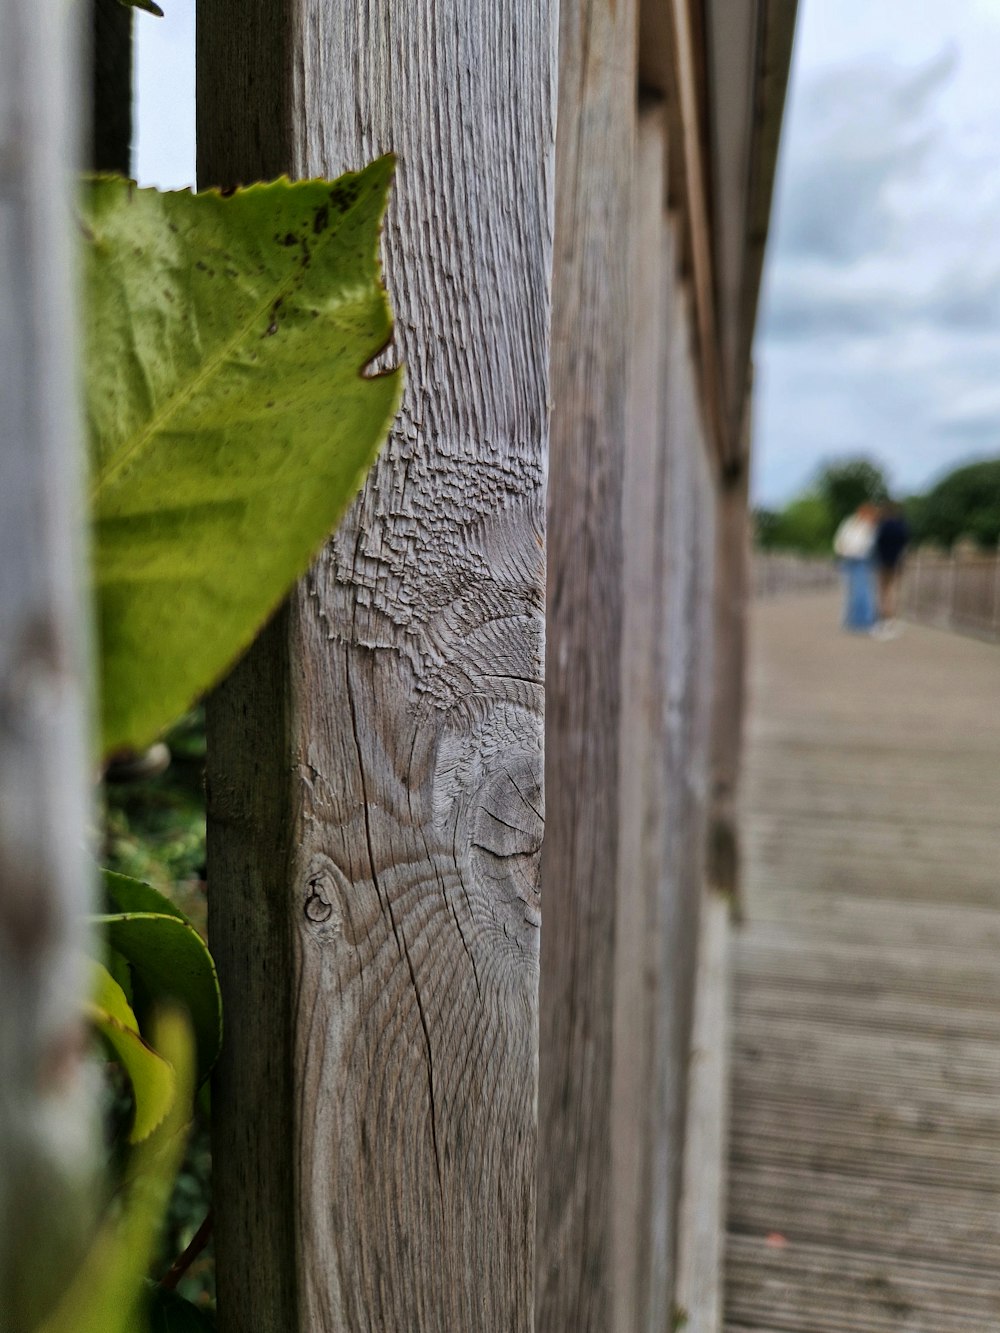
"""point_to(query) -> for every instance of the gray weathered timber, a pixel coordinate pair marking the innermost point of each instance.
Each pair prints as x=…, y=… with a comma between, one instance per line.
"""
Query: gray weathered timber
x=958, y=591
x=701, y=1227
x=732, y=28
x=730, y=599
x=376, y=763
x=641, y=791
x=688, y=526
x=865, y=1143
x=44, y=777
x=591, y=334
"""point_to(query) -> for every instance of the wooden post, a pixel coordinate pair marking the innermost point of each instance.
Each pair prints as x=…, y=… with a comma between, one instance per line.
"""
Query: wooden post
x=642, y=796
x=111, y=87
x=730, y=600
x=591, y=335
x=44, y=760
x=375, y=762
x=678, y=925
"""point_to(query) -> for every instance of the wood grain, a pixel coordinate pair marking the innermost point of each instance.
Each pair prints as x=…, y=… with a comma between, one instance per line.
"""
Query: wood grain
x=381, y=904
x=701, y=1228
x=591, y=335
x=44, y=760
x=687, y=76
x=641, y=793
x=689, y=516
x=866, y=1075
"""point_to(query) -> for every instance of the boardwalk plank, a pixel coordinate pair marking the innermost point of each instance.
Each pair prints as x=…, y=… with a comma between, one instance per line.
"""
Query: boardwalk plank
x=865, y=1143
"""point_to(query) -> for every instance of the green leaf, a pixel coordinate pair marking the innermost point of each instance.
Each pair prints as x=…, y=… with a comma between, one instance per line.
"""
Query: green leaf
x=134, y=895
x=170, y=1313
x=230, y=420
x=152, y=1078
x=171, y=963
x=106, y=1296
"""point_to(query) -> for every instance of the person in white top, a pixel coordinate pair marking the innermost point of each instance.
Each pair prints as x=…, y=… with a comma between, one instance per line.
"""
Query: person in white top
x=854, y=545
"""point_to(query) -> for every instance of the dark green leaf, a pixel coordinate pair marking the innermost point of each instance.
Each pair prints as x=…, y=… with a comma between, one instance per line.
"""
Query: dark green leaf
x=132, y=895
x=170, y=1313
x=170, y=960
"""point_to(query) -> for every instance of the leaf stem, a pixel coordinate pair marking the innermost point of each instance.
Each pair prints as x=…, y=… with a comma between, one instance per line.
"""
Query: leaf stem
x=184, y=1261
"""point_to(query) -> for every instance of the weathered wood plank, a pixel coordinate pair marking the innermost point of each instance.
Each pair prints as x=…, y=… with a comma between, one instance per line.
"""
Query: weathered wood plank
x=686, y=72
x=866, y=1078
x=591, y=337
x=636, y=1100
x=44, y=759
x=684, y=572
x=812, y=1289
x=730, y=599
x=880, y=1217
x=111, y=86
x=389, y=824
x=701, y=1225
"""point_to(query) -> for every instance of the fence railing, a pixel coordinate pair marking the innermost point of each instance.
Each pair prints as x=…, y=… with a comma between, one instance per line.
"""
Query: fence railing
x=775, y=572
x=958, y=591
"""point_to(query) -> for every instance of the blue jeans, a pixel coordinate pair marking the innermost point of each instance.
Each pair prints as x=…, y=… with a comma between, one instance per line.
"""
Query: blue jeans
x=860, y=612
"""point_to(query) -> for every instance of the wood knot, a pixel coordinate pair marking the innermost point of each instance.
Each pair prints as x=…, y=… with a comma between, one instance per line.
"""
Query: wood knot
x=318, y=907
x=324, y=897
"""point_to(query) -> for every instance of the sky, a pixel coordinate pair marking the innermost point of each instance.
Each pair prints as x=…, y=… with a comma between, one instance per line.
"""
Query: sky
x=164, y=96
x=879, y=329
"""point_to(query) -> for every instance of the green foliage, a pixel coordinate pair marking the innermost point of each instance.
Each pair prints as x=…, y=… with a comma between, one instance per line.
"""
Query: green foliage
x=154, y=828
x=230, y=421
x=106, y=1295
x=966, y=503
x=167, y=959
x=150, y=1076
x=765, y=528
x=155, y=831
x=230, y=424
x=847, y=484
x=804, y=525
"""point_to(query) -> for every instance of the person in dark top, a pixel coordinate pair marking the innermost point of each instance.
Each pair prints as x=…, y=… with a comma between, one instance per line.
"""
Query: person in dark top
x=891, y=541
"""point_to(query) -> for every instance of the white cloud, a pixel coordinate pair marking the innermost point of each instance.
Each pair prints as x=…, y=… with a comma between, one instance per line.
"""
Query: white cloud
x=880, y=323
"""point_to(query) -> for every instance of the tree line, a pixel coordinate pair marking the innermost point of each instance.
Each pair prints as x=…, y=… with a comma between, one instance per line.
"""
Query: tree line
x=964, y=505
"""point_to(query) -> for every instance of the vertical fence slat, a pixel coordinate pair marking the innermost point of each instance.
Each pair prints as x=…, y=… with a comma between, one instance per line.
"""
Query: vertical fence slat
x=111, y=86
x=373, y=861
x=679, y=912
x=634, y=1124
x=730, y=611
x=590, y=349
x=44, y=765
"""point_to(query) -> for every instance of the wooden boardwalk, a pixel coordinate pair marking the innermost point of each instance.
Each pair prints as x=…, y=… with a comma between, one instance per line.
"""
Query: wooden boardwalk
x=865, y=1142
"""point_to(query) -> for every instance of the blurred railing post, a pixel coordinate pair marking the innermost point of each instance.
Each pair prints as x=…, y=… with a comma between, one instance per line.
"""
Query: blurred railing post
x=44, y=760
